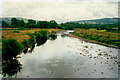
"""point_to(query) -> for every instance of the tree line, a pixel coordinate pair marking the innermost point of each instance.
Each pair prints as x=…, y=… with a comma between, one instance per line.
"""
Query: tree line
x=15, y=23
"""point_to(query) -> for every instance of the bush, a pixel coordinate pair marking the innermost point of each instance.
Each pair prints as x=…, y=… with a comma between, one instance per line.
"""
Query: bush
x=53, y=36
x=16, y=31
x=38, y=37
x=10, y=48
x=41, y=36
x=25, y=43
x=32, y=38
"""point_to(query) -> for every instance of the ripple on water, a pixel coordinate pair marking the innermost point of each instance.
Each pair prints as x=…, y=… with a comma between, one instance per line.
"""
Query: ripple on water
x=85, y=60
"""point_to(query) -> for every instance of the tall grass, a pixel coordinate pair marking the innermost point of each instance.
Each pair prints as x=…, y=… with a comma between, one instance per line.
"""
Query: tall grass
x=100, y=36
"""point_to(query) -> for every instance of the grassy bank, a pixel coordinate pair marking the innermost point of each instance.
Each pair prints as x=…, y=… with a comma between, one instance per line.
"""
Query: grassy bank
x=102, y=36
x=24, y=39
x=20, y=35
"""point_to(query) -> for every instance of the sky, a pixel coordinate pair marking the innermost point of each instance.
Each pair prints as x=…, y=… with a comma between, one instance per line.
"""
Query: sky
x=60, y=10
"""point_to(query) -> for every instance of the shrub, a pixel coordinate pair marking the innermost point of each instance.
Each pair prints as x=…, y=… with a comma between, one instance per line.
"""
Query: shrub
x=10, y=48
x=41, y=36
x=32, y=38
x=38, y=37
x=25, y=43
x=53, y=36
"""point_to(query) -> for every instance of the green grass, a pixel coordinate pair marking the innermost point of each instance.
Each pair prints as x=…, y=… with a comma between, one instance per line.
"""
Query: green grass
x=102, y=36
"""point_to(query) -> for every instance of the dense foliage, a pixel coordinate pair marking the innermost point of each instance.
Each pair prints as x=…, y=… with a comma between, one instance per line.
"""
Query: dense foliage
x=41, y=36
x=10, y=48
x=11, y=67
x=31, y=39
x=15, y=23
x=25, y=43
x=52, y=35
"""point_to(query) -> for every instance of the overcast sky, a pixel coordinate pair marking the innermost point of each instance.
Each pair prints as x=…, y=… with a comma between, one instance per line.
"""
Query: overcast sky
x=60, y=10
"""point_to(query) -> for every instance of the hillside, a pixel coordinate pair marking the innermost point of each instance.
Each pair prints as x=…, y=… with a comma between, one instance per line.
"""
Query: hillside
x=99, y=21
x=8, y=19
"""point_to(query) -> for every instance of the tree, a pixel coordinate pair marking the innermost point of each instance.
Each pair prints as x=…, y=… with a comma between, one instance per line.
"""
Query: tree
x=14, y=22
x=31, y=23
x=21, y=23
x=9, y=52
x=53, y=24
x=38, y=25
x=4, y=24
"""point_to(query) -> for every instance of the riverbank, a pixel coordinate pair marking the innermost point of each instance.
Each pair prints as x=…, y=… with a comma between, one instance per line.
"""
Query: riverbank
x=89, y=40
x=24, y=39
x=20, y=35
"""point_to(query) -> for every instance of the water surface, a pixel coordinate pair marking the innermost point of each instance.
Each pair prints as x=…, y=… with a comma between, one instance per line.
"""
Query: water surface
x=67, y=57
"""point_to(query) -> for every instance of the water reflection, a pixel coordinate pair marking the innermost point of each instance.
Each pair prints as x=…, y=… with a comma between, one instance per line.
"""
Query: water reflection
x=41, y=42
x=32, y=48
x=63, y=35
x=56, y=68
x=29, y=49
x=53, y=37
x=11, y=67
x=69, y=58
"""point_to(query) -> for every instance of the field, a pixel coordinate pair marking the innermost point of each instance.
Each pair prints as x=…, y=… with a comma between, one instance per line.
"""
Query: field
x=102, y=36
x=20, y=35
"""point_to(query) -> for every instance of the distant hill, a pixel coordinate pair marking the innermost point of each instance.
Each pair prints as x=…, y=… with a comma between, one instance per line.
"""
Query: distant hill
x=8, y=19
x=94, y=21
x=99, y=21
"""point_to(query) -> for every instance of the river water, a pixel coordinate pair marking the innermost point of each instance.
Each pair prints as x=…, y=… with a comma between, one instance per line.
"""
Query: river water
x=68, y=57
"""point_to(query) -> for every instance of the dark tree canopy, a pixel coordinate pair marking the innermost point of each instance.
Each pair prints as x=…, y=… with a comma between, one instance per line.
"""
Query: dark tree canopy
x=4, y=24
x=14, y=22
x=31, y=23
x=21, y=23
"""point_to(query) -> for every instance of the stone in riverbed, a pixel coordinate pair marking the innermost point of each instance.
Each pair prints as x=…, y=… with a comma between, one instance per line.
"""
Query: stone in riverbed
x=102, y=72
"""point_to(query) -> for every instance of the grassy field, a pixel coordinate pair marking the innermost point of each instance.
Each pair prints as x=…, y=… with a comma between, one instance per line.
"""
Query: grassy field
x=99, y=35
x=20, y=35
x=102, y=36
x=23, y=36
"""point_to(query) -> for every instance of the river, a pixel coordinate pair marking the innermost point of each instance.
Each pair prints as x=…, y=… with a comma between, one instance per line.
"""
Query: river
x=68, y=57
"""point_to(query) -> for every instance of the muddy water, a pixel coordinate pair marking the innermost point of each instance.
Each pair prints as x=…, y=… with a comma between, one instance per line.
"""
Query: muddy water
x=67, y=57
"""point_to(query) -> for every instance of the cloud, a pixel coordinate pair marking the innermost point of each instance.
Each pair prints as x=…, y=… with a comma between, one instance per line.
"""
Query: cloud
x=60, y=11
x=56, y=0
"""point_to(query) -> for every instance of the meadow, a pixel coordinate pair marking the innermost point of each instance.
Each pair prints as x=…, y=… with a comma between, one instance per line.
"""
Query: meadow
x=111, y=38
x=20, y=35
